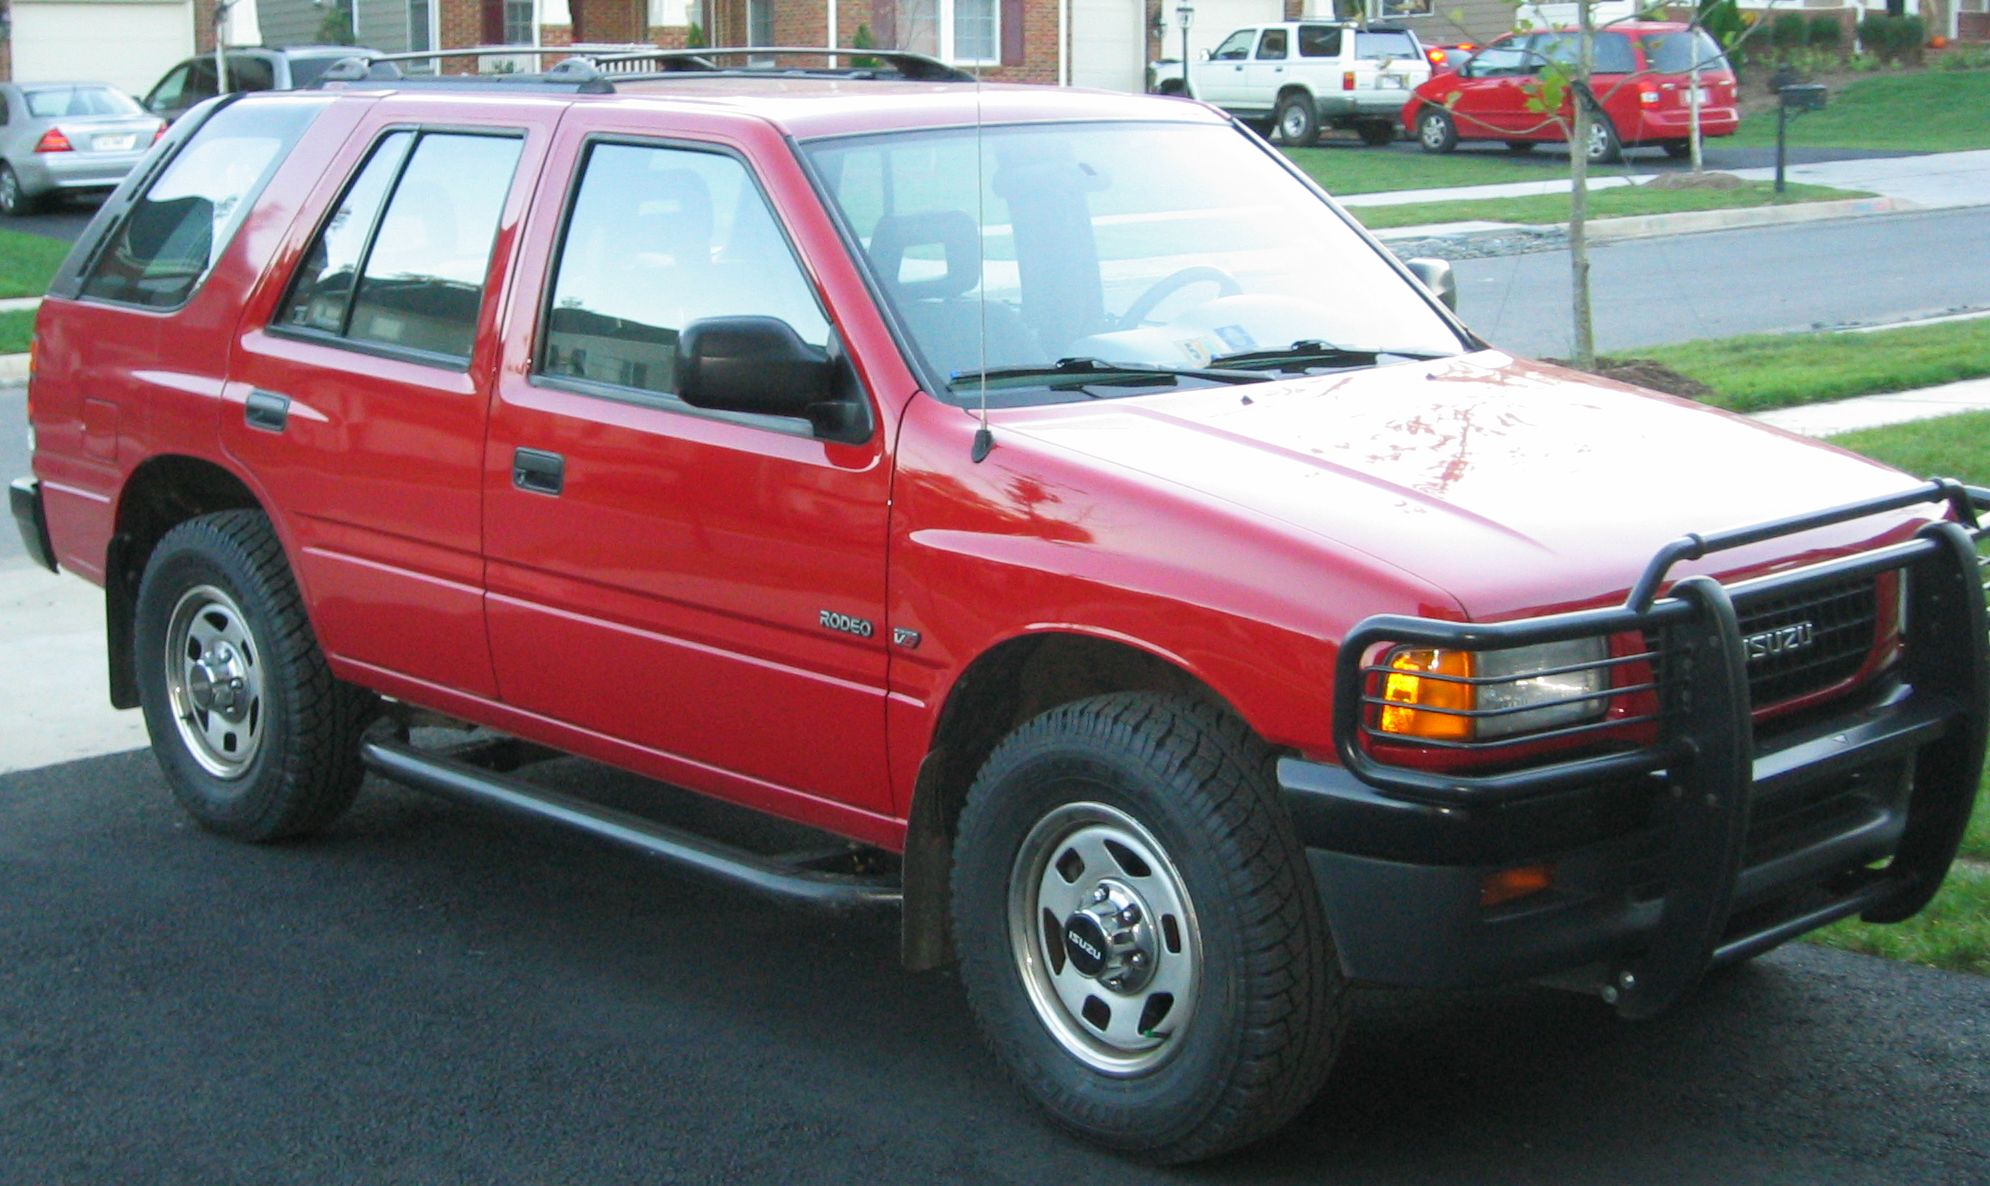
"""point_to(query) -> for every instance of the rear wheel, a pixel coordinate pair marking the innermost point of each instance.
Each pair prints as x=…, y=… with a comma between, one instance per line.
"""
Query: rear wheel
x=1678, y=150
x=1603, y=146
x=1140, y=938
x=1435, y=131
x=1298, y=121
x=14, y=201
x=256, y=738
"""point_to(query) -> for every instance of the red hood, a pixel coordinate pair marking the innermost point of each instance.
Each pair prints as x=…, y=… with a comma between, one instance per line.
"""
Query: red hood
x=1512, y=485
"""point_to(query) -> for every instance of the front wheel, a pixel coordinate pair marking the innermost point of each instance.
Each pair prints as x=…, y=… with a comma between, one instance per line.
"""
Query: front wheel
x=256, y=738
x=1139, y=935
x=1298, y=121
x=1435, y=131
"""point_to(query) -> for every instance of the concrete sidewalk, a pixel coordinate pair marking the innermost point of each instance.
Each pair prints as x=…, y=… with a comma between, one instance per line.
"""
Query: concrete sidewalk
x=1933, y=181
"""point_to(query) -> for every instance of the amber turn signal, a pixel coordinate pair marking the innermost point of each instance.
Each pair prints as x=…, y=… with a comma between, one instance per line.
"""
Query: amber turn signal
x=1509, y=885
x=1405, y=687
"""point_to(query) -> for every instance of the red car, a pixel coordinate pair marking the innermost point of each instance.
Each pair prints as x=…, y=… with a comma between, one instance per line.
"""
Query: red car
x=1141, y=574
x=1642, y=81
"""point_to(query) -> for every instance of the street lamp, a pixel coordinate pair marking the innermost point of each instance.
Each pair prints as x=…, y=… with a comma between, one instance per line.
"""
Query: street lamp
x=1185, y=13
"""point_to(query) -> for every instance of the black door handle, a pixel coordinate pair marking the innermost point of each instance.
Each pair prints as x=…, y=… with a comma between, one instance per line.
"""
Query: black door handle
x=538, y=471
x=267, y=410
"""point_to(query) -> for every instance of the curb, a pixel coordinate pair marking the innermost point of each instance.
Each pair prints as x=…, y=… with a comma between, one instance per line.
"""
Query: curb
x=13, y=368
x=1686, y=222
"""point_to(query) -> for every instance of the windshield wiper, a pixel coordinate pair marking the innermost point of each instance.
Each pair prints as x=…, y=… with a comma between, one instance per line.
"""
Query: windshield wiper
x=1086, y=372
x=1312, y=352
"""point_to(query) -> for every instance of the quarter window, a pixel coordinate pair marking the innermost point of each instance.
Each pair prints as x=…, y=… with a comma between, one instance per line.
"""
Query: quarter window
x=659, y=238
x=171, y=237
x=409, y=276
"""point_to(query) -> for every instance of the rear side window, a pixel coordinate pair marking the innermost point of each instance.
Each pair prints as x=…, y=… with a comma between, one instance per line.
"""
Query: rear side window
x=401, y=262
x=1613, y=51
x=1319, y=41
x=169, y=239
x=1272, y=44
x=251, y=74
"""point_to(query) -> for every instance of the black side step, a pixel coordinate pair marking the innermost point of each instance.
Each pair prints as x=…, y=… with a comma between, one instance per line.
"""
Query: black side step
x=465, y=783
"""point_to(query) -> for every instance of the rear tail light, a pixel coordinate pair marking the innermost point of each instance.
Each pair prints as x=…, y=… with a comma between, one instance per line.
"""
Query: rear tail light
x=54, y=141
x=1347, y=81
x=1436, y=56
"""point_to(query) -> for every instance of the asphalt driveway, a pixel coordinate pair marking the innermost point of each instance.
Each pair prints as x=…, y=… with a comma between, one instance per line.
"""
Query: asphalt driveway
x=429, y=995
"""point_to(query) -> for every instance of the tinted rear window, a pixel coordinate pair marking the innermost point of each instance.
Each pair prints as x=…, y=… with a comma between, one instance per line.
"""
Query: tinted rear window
x=62, y=102
x=1385, y=45
x=167, y=242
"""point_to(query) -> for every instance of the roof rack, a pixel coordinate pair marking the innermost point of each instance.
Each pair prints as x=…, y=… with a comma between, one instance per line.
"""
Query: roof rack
x=592, y=70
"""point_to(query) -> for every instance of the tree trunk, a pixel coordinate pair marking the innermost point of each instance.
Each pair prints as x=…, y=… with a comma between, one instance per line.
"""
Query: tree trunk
x=1583, y=353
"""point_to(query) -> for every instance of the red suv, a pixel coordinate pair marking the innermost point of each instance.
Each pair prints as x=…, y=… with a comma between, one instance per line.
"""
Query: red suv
x=1642, y=82
x=1052, y=495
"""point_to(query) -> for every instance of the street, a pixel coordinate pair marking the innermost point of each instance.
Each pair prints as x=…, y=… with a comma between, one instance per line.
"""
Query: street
x=429, y=995
x=1767, y=280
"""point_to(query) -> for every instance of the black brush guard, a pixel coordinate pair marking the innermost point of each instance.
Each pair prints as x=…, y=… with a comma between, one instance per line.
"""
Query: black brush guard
x=1705, y=755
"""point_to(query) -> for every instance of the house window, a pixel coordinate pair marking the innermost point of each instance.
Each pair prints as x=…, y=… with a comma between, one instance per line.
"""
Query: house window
x=521, y=26
x=954, y=30
x=760, y=22
x=419, y=37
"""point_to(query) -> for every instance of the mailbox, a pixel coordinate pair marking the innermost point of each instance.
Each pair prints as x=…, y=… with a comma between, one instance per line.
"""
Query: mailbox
x=1803, y=96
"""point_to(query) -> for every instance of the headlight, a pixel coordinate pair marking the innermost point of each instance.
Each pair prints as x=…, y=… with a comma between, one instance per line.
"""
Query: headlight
x=1445, y=695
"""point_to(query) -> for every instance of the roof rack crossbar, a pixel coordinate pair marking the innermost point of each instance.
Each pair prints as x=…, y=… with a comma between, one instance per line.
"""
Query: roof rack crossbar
x=915, y=66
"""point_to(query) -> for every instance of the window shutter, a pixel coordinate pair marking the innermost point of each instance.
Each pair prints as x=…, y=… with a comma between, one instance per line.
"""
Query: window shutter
x=1012, y=32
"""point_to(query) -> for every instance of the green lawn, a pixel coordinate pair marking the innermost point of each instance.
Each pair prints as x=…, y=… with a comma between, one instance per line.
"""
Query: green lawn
x=1778, y=370
x=1954, y=931
x=1935, y=111
x=1352, y=169
x=28, y=263
x=15, y=330
x=1616, y=202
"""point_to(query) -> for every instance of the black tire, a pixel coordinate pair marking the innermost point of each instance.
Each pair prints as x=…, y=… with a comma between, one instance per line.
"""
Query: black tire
x=1376, y=133
x=15, y=201
x=1604, y=148
x=1298, y=121
x=256, y=738
x=1435, y=132
x=1678, y=150
x=1521, y=145
x=1190, y=790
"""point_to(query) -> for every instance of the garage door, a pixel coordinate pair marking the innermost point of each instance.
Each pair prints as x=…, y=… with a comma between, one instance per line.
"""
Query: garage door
x=1109, y=44
x=127, y=43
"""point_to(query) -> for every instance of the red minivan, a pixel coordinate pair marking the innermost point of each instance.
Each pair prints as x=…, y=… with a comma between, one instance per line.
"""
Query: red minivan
x=1642, y=79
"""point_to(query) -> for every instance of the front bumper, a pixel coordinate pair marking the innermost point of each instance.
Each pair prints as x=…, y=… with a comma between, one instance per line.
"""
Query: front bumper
x=24, y=497
x=1706, y=846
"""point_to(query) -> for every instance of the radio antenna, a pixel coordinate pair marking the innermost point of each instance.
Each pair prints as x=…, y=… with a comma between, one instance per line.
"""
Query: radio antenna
x=984, y=441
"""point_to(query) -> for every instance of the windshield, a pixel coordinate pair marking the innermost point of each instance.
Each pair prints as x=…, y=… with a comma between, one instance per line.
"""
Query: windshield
x=1158, y=246
x=66, y=101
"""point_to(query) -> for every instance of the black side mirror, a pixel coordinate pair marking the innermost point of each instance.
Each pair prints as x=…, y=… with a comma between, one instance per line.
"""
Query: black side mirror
x=750, y=364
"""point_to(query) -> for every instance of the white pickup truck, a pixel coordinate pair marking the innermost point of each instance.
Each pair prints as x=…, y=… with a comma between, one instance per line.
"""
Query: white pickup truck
x=1301, y=76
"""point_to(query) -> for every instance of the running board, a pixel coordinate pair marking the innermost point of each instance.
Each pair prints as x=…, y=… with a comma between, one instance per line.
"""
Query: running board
x=460, y=781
